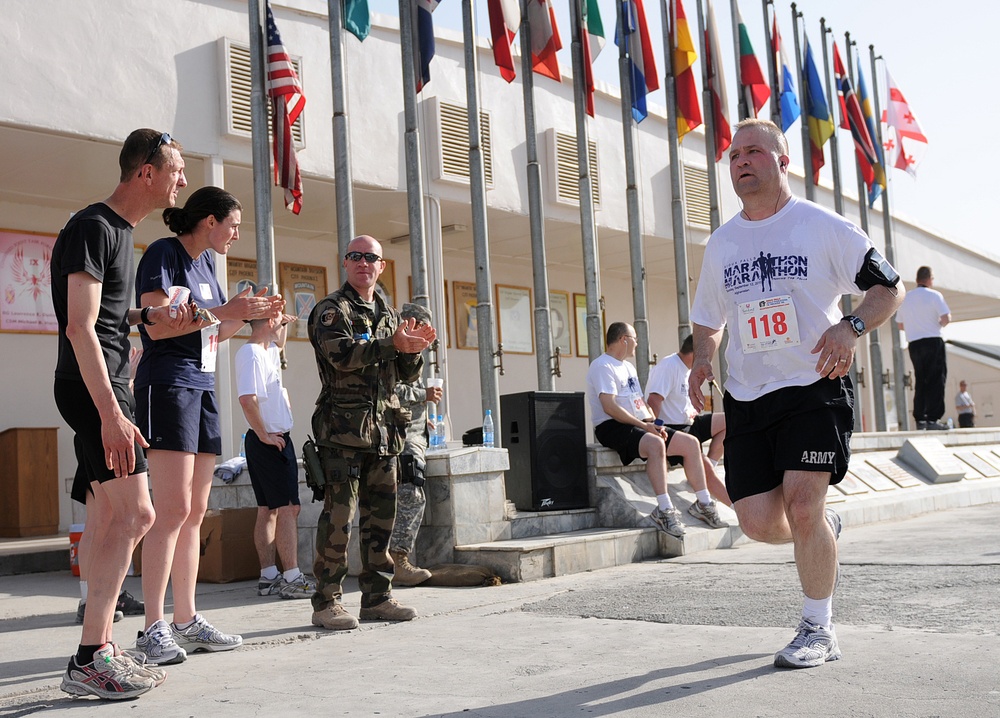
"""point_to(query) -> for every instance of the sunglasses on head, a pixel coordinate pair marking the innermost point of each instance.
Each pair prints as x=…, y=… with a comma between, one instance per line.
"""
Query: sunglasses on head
x=164, y=140
x=369, y=257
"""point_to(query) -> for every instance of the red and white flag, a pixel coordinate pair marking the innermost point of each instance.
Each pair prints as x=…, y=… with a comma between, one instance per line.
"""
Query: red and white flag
x=287, y=103
x=505, y=18
x=906, y=144
x=545, y=40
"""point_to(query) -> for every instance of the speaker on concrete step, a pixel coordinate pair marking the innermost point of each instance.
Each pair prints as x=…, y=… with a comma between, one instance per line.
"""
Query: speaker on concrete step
x=543, y=432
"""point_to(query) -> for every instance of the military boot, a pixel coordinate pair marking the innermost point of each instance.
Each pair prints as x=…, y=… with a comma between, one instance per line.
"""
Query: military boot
x=387, y=610
x=335, y=617
x=406, y=573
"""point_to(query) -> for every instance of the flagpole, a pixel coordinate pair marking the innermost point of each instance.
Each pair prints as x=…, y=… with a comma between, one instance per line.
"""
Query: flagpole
x=676, y=205
x=588, y=232
x=343, y=178
x=838, y=195
x=709, y=120
x=640, y=322
x=743, y=102
x=898, y=363
x=874, y=344
x=772, y=67
x=263, y=210
x=800, y=66
x=838, y=191
x=480, y=233
x=536, y=215
x=411, y=148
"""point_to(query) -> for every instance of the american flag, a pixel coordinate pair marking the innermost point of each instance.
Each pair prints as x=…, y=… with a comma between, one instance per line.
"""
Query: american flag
x=287, y=103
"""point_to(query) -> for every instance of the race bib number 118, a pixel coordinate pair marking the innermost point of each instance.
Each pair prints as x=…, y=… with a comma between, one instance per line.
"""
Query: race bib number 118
x=768, y=324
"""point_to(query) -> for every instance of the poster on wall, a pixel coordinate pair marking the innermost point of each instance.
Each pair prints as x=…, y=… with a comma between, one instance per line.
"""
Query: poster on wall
x=580, y=308
x=239, y=270
x=466, y=330
x=26, y=283
x=302, y=286
x=514, y=314
x=560, y=321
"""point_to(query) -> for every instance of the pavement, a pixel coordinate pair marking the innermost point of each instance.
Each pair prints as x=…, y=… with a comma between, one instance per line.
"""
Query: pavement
x=916, y=612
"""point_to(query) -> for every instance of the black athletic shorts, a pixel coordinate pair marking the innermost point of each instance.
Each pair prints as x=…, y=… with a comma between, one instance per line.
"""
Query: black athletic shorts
x=701, y=429
x=78, y=410
x=176, y=418
x=274, y=473
x=797, y=428
x=623, y=438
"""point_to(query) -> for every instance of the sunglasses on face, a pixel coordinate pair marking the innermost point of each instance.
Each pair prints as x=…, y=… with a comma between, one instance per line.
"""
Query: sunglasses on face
x=369, y=257
x=164, y=140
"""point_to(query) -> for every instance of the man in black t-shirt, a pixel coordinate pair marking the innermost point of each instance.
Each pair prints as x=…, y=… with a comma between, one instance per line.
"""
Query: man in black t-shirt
x=92, y=287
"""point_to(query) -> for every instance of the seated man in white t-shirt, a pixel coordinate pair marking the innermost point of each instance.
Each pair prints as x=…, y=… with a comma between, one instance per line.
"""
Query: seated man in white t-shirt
x=271, y=459
x=623, y=422
x=667, y=396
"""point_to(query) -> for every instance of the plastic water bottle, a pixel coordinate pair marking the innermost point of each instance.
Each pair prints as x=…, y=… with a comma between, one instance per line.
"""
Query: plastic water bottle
x=432, y=433
x=243, y=445
x=441, y=434
x=488, y=430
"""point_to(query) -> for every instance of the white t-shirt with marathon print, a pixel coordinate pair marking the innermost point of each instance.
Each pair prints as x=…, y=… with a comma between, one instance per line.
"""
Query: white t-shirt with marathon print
x=777, y=284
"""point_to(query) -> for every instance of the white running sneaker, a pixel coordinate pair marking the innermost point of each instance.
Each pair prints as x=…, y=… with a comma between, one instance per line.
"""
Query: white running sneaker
x=668, y=521
x=109, y=677
x=812, y=646
x=158, y=645
x=709, y=513
x=142, y=668
x=203, y=636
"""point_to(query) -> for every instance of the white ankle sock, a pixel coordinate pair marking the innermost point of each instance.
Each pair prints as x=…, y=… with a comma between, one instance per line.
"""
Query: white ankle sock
x=83, y=591
x=704, y=498
x=664, y=502
x=713, y=462
x=818, y=610
x=270, y=573
x=292, y=574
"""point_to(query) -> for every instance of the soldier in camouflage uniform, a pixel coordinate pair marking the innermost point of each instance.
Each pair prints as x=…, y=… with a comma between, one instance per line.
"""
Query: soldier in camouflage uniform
x=362, y=350
x=410, y=500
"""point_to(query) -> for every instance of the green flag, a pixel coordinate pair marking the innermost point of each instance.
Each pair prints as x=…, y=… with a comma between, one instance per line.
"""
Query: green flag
x=357, y=19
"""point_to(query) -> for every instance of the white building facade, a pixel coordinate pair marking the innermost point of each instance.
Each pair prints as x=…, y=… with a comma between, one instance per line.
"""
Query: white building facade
x=79, y=76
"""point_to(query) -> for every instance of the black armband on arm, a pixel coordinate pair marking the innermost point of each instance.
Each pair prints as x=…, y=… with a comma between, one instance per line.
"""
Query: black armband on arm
x=875, y=270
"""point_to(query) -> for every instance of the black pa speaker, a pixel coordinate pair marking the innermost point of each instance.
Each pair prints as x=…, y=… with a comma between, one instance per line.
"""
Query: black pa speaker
x=543, y=432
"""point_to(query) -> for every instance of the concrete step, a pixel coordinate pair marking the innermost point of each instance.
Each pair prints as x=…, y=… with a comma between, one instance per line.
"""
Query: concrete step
x=526, y=524
x=537, y=557
x=34, y=555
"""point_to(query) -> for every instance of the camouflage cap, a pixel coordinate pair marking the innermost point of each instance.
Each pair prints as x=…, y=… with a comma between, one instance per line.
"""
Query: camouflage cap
x=416, y=311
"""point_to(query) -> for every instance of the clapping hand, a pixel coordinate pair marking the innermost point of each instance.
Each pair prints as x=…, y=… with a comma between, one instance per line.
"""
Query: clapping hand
x=412, y=338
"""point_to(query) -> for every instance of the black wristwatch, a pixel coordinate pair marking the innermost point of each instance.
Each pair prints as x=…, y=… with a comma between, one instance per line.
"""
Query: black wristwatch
x=144, y=317
x=856, y=324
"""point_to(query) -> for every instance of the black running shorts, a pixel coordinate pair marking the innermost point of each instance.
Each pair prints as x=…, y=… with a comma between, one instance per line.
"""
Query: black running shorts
x=798, y=428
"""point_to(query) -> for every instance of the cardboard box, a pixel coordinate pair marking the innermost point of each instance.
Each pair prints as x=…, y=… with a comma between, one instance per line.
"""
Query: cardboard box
x=227, y=549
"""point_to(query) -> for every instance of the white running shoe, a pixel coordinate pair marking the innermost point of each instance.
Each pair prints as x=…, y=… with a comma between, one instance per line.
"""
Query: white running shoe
x=203, y=636
x=812, y=646
x=668, y=521
x=109, y=677
x=158, y=645
x=709, y=513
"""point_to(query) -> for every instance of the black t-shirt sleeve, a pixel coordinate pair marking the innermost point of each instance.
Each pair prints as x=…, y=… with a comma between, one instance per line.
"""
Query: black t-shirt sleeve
x=87, y=248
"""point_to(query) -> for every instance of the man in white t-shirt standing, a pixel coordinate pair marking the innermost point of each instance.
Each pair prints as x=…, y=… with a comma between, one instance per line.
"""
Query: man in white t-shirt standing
x=667, y=396
x=271, y=459
x=922, y=316
x=965, y=406
x=775, y=274
x=624, y=422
